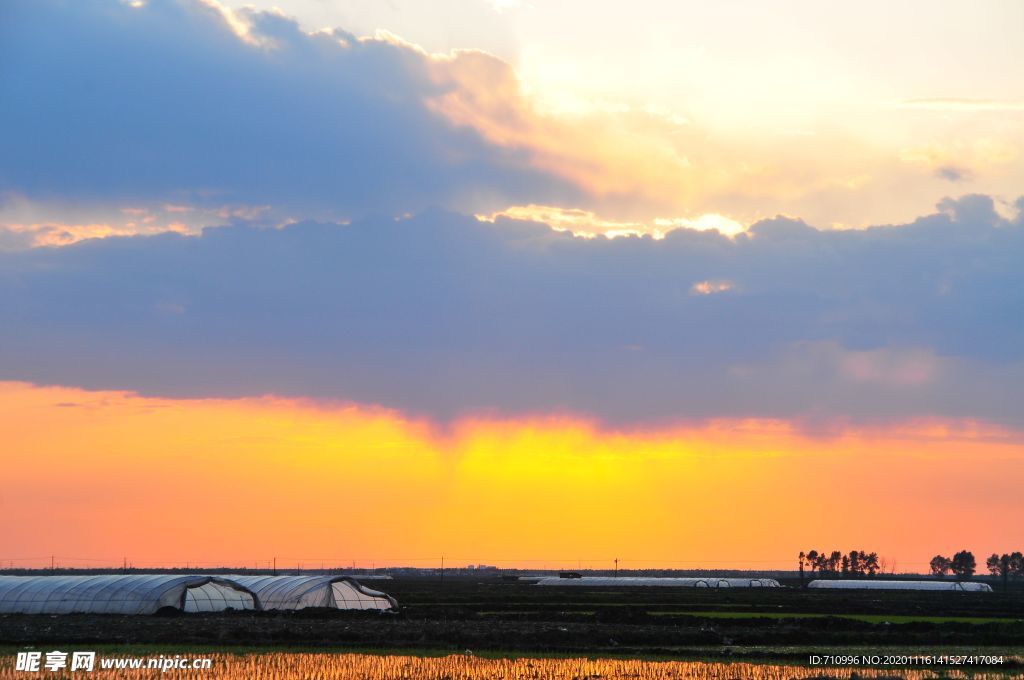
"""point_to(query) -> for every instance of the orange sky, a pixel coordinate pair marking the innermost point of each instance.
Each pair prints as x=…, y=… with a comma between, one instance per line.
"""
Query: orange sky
x=96, y=476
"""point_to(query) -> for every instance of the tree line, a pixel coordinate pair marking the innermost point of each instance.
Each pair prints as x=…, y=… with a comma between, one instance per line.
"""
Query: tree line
x=1006, y=566
x=837, y=563
x=860, y=563
x=963, y=565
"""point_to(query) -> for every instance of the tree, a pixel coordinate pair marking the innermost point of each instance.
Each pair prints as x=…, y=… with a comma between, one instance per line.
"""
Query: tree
x=802, y=556
x=1004, y=566
x=812, y=559
x=940, y=566
x=1016, y=564
x=855, y=563
x=846, y=566
x=870, y=563
x=963, y=564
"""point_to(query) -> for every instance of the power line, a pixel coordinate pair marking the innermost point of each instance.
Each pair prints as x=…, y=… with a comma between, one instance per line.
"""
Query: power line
x=348, y=562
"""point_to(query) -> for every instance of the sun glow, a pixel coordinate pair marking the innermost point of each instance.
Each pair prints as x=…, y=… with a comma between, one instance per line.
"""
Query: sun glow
x=218, y=481
x=589, y=224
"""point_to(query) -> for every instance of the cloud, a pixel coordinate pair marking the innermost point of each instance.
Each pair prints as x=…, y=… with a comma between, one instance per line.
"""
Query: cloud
x=439, y=26
x=587, y=223
x=962, y=104
x=25, y=224
x=444, y=315
x=186, y=102
x=953, y=173
x=711, y=287
x=19, y=236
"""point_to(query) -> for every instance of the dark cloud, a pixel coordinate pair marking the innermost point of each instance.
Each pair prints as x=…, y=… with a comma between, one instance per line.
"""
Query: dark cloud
x=14, y=240
x=442, y=315
x=954, y=173
x=111, y=104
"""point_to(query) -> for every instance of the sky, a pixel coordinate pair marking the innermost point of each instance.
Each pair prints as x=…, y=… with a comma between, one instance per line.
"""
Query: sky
x=543, y=282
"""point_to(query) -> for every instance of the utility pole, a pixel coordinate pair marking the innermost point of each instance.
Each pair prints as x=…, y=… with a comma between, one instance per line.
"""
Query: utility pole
x=616, y=567
x=275, y=566
x=442, y=570
x=51, y=563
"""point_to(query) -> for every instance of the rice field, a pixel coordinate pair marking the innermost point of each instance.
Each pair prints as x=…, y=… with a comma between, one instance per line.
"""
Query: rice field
x=280, y=666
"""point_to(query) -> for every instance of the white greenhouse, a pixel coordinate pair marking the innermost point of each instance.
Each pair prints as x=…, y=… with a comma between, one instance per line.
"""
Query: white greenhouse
x=669, y=582
x=121, y=594
x=299, y=592
x=901, y=585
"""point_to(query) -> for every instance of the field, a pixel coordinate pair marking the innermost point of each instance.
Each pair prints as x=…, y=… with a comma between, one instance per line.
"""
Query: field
x=495, y=616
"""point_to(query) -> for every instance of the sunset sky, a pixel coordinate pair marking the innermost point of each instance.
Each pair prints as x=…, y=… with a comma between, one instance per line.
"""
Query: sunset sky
x=518, y=282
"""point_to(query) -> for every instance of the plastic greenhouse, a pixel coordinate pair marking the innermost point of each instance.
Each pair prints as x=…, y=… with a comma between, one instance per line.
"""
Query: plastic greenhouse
x=121, y=594
x=299, y=592
x=902, y=585
x=631, y=581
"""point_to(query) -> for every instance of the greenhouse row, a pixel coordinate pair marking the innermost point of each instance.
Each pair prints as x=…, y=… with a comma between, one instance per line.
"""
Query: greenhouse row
x=150, y=593
x=900, y=585
x=667, y=582
x=715, y=582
